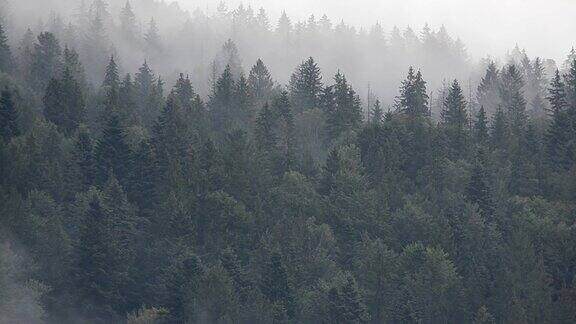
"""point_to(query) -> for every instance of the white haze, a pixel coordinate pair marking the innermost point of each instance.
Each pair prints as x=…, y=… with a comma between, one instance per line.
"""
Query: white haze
x=487, y=27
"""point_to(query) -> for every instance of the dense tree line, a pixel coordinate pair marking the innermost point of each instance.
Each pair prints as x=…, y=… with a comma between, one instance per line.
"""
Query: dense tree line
x=135, y=201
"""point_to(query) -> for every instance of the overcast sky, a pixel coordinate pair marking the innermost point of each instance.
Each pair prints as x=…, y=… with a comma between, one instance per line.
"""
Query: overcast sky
x=545, y=28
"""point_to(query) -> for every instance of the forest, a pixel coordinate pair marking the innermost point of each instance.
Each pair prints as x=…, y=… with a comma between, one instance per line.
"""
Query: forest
x=148, y=177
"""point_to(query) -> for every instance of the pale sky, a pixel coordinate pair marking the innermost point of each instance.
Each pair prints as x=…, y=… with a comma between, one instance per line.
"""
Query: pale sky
x=546, y=28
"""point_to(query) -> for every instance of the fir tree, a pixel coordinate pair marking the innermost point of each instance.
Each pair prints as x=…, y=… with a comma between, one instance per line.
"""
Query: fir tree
x=500, y=131
x=46, y=60
x=346, y=305
x=64, y=103
x=455, y=120
x=557, y=94
x=274, y=284
x=8, y=116
x=377, y=114
x=112, y=153
x=152, y=39
x=260, y=82
x=487, y=94
x=128, y=22
x=285, y=130
x=306, y=86
x=6, y=59
x=478, y=190
x=330, y=172
x=342, y=107
x=413, y=99
x=481, y=127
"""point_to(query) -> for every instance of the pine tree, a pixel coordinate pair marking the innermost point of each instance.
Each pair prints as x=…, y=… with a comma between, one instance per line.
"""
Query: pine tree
x=111, y=88
x=284, y=27
x=112, y=153
x=330, y=172
x=260, y=81
x=128, y=22
x=221, y=101
x=152, y=39
x=413, y=99
x=6, y=59
x=285, y=130
x=557, y=94
x=488, y=95
x=478, y=190
x=570, y=82
x=561, y=134
x=8, y=116
x=274, y=284
x=346, y=305
x=512, y=94
x=306, y=86
x=500, y=131
x=143, y=177
x=455, y=120
x=95, y=266
x=481, y=134
x=84, y=158
x=64, y=103
x=342, y=107
x=377, y=114
x=244, y=110
x=265, y=136
x=127, y=101
x=46, y=60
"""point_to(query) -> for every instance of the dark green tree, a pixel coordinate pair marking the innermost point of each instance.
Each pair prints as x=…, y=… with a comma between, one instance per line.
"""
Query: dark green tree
x=413, y=99
x=46, y=60
x=342, y=107
x=481, y=128
x=478, y=190
x=6, y=59
x=274, y=284
x=112, y=153
x=260, y=82
x=8, y=116
x=64, y=103
x=455, y=121
x=306, y=86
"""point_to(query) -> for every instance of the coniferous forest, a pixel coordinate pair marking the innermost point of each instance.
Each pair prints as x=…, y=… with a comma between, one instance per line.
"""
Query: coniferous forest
x=153, y=176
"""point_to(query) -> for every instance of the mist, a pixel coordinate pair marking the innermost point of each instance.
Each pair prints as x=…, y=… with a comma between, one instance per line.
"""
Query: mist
x=489, y=28
x=304, y=161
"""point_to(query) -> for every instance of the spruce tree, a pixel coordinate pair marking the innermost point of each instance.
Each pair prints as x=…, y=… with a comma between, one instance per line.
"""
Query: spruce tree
x=413, y=99
x=274, y=284
x=488, y=95
x=152, y=40
x=8, y=116
x=481, y=134
x=143, y=178
x=6, y=59
x=306, y=86
x=346, y=305
x=341, y=105
x=95, y=266
x=260, y=81
x=64, y=103
x=221, y=101
x=557, y=94
x=500, y=131
x=478, y=190
x=112, y=153
x=455, y=120
x=513, y=101
x=377, y=114
x=330, y=171
x=285, y=131
x=128, y=22
x=46, y=60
